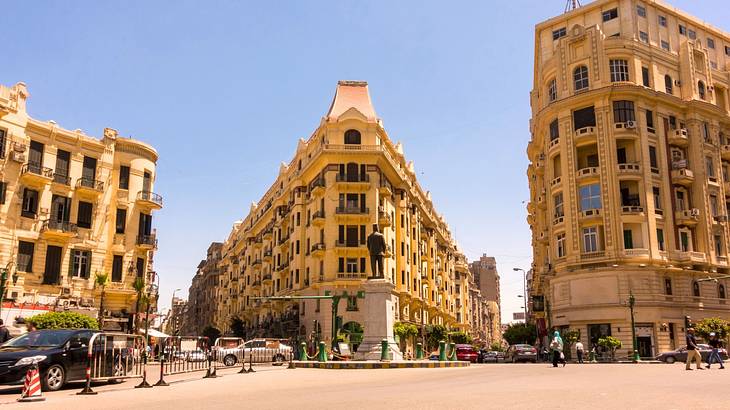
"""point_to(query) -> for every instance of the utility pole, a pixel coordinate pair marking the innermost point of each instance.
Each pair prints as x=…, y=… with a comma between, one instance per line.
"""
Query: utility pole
x=635, y=356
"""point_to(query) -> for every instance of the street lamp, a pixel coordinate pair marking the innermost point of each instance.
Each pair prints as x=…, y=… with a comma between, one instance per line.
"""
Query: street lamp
x=172, y=303
x=632, y=301
x=524, y=288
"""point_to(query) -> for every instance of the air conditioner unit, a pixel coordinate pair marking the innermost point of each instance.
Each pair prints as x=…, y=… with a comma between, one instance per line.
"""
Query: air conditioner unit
x=630, y=124
x=17, y=156
x=721, y=218
x=18, y=147
x=694, y=212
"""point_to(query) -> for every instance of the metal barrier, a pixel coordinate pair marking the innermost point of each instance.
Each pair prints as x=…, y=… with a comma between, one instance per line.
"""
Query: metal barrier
x=184, y=354
x=114, y=356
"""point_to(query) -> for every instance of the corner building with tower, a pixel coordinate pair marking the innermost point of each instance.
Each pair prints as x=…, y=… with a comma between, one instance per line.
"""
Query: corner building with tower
x=307, y=236
x=629, y=172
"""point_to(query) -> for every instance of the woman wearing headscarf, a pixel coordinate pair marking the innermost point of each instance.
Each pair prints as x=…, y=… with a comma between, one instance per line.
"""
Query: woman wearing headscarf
x=556, y=346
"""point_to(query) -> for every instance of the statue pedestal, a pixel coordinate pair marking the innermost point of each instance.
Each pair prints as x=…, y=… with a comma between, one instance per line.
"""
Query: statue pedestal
x=379, y=319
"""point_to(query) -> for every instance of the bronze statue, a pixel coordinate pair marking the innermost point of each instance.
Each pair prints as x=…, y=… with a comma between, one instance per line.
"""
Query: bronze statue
x=376, y=248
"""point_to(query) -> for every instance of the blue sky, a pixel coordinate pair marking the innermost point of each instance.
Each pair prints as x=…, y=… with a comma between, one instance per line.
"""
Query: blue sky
x=224, y=89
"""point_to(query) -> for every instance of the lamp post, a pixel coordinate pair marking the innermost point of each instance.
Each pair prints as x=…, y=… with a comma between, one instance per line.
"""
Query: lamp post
x=635, y=356
x=4, y=281
x=172, y=304
x=524, y=288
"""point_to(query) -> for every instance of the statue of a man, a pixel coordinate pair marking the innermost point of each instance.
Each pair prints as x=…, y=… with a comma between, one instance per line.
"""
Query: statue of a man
x=376, y=248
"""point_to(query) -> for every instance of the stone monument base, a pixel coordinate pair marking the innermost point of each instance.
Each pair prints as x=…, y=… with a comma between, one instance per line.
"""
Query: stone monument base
x=379, y=320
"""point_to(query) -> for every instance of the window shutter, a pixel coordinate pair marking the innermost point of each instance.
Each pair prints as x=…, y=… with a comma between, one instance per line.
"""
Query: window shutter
x=87, y=271
x=71, y=260
x=2, y=192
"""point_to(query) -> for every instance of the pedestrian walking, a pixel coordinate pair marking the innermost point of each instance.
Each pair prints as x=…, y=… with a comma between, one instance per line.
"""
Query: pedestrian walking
x=4, y=332
x=556, y=346
x=692, y=350
x=579, y=351
x=715, y=344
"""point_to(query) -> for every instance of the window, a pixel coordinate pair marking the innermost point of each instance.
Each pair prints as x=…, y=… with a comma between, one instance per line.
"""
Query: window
x=554, y=130
x=663, y=21
x=653, y=163
x=352, y=303
x=609, y=15
x=83, y=219
x=117, y=265
x=710, y=167
x=80, y=264
x=695, y=289
x=552, y=90
x=25, y=256
x=2, y=143
x=585, y=117
x=123, y=177
x=645, y=76
x=644, y=37
x=710, y=43
x=628, y=239
x=559, y=33
x=590, y=197
x=701, y=89
x=713, y=205
x=665, y=45
x=692, y=34
x=140, y=268
x=668, y=84
x=623, y=111
x=657, y=197
x=590, y=239
x=682, y=30
x=560, y=244
x=30, y=203
x=619, y=70
x=641, y=10
x=352, y=137
x=660, y=238
x=721, y=291
x=580, y=78
x=558, y=199
x=667, y=286
x=351, y=265
x=718, y=245
x=121, y=220
x=727, y=50
x=3, y=188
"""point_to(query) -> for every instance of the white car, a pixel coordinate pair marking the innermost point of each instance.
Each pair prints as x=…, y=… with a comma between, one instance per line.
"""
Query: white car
x=257, y=351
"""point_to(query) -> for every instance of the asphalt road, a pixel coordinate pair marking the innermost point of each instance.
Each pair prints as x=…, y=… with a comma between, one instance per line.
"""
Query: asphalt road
x=490, y=386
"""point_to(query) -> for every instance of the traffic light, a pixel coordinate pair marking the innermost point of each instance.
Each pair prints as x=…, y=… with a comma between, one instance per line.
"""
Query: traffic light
x=687, y=322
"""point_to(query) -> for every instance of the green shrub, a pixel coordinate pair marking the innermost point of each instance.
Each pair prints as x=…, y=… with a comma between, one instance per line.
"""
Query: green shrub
x=610, y=343
x=460, y=338
x=63, y=320
x=715, y=325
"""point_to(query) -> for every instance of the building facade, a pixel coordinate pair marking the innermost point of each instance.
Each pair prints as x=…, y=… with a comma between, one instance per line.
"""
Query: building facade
x=204, y=294
x=307, y=234
x=72, y=206
x=486, y=280
x=629, y=174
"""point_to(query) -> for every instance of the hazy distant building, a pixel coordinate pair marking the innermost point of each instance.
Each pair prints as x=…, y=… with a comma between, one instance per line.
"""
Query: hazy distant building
x=486, y=279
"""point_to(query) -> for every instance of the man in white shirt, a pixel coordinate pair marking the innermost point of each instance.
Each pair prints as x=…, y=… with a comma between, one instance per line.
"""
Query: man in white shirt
x=579, y=351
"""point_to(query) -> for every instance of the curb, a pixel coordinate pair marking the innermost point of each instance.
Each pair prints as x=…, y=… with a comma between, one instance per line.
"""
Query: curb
x=378, y=365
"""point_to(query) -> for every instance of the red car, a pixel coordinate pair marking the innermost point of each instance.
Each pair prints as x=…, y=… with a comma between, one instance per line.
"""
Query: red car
x=466, y=353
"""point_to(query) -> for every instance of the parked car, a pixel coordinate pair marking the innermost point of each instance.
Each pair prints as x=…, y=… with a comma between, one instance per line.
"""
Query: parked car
x=61, y=356
x=489, y=356
x=680, y=355
x=257, y=351
x=521, y=353
x=466, y=353
x=196, y=356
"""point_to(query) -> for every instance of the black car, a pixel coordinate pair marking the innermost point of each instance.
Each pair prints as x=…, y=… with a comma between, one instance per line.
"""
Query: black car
x=61, y=355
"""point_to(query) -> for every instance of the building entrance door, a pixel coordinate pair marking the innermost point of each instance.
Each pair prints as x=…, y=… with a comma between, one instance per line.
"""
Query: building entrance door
x=644, y=340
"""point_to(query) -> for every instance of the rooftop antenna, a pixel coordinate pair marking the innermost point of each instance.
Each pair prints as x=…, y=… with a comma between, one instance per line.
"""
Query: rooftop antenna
x=572, y=5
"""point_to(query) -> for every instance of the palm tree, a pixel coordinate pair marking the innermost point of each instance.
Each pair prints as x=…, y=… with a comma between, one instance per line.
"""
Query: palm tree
x=100, y=279
x=139, y=286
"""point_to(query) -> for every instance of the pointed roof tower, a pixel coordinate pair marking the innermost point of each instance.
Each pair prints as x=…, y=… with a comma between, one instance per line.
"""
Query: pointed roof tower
x=352, y=95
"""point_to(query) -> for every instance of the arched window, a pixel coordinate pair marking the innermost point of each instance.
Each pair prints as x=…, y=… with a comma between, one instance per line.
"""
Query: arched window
x=721, y=291
x=552, y=90
x=701, y=89
x=352, y=137
x=668, y=84
x=695, y=289
x=580, y=78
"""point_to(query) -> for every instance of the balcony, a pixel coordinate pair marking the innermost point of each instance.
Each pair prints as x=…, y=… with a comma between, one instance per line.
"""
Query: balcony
x=318, y=218
x=361, y=181
x=35, y=174
x=149, y=199
x=555, y=182
x=386, y=190
x=632, y=210
x=318, y=187
x=590, y=172
x=267, y=255
x=679, y=138
x=725, y=151
x=585, y=133
x=256, y=262
x=91, y=187
x=359, y=213
x=682, y=176
x=147, y=241
x=636, y=253
x=687, y=217
x=61, y=179
x=318, y=250
x=267, y=234
x=554, y=145
x=690, y=256
x=629, y=169
x=266, y=278
x=592, y=255
x=351, y=276
x=256, y=284
x=628, y=126
x=58, y=229
x=590, y=214
x=384, y=219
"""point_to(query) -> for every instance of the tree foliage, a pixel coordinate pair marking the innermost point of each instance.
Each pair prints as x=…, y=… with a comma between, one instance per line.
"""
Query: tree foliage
x=569, y=336
x=63, y=320
x=237, y=327
x=520, y=333
x=610, y=343
x=715, y=325
x=496, y=347
x=460, y=338
x=211, y=333
x=435, y=334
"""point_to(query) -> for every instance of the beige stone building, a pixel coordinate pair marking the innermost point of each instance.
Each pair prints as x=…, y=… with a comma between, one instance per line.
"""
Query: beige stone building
x=71, y=206
x=306, y=235
x=630, y=171
x=486, y=280
x=204, y=294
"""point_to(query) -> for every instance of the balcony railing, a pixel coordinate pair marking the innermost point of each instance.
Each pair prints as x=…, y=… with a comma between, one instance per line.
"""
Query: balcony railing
x=147, y=240
x=61, y=226
x=150, y=197
x=353, y=178
x=61, y=179
x=36, y=169
x=343, y=275
x=318, y=247
x=344, y=244
x=97, y=185
x=352, y=210
x=318, y=215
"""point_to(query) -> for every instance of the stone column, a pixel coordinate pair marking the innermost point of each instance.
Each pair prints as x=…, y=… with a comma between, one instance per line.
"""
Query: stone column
x=379, y=319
